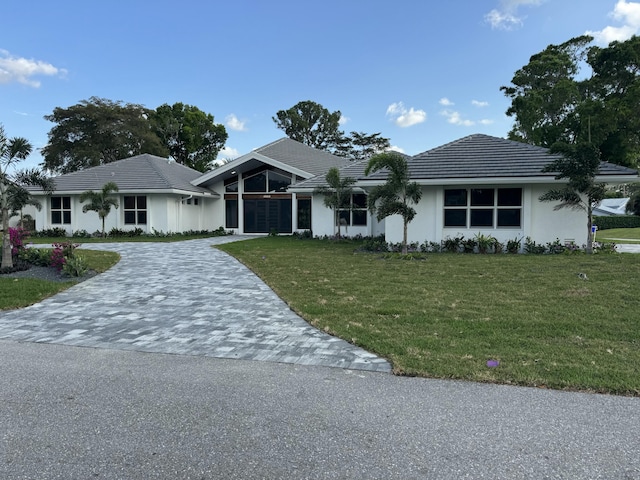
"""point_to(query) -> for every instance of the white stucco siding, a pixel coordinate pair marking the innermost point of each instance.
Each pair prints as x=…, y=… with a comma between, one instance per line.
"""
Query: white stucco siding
x=539, y=221
x=547, y=224
x=321, y=218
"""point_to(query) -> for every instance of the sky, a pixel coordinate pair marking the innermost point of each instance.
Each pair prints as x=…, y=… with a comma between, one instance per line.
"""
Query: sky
x=419, y=72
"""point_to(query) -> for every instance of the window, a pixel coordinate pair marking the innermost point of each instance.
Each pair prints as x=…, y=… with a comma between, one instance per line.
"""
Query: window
x=304, y=213
x=135, y=210
x=193, y=201
x=357, y=215
x=483, y=207
x=231, y=213
x=267, y=181
x=61, y=210
x=231, y=187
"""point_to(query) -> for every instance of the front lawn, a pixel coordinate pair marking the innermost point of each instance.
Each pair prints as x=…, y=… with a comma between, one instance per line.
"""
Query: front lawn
x=450, y=314
x=628, y=235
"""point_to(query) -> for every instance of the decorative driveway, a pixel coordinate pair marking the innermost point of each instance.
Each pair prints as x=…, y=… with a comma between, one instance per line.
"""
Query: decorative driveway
x=183, y=298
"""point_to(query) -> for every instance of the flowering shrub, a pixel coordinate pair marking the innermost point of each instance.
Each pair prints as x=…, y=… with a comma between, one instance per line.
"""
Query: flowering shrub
x=62, y=252
x=17, y=237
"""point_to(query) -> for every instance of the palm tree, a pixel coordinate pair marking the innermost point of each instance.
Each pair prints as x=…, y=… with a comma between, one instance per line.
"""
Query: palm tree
x=12, y=193
x=337, y=193
x=100, y=202
x=394, y=196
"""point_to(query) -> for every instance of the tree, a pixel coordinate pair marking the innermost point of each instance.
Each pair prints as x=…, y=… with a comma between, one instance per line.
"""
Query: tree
x=98, y=131
x=578, y=164
x=361, y=146
x=395, y=196
x=337, y=193
x=13, y=194
x=100, y=202
x=554, y=99
x=310, y=123
x=191, y=136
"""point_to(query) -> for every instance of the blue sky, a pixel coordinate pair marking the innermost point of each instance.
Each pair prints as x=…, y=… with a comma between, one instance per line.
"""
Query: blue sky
x=420, y=72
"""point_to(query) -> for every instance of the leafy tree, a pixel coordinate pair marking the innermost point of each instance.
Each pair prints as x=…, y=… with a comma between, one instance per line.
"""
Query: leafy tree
x=633, y=206
x=13, y=194
x=337, y=193
x=361, y=146
x=98, y=131
x=310, y=123
x=191, y=136
x=553, y=99
x=100, y=202
x=395, y=196
x=578, y=164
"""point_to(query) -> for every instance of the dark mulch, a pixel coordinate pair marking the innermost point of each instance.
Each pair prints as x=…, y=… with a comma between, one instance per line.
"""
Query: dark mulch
x=48, y=273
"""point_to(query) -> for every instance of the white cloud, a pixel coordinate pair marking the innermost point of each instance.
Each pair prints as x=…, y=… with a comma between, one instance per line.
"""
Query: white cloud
x=506, y=16
x=234, y=123
x=455, y=118
x=403, y=117
x=228, y=153
x=627, y=13
x=21, y=70
x=343, y=120
x=395, y=148
x=444, y=101
x=486, y=121
x=479, y=104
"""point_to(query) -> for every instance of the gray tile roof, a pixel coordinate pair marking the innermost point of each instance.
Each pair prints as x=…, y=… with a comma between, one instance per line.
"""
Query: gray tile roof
x=483, y=156
x=301, y=156
x=353, y=170
x=140, y=173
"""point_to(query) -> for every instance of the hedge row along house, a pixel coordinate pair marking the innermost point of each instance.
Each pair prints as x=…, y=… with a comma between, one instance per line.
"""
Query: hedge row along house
x=475, y=185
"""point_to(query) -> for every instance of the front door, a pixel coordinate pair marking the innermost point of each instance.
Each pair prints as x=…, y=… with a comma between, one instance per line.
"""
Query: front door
x=267, y=215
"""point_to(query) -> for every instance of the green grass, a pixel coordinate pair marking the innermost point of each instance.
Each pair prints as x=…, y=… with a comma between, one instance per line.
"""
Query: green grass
x=630, y=235
x=446, y=316
x=21, y=292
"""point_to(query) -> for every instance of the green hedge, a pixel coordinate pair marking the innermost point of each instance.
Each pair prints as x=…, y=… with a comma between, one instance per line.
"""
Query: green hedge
x=617, y=221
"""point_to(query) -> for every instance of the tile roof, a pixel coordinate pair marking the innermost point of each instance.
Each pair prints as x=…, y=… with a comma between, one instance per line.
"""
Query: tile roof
x=353, y=170
x=301, y=156
x=139, y=173
x=483, y=156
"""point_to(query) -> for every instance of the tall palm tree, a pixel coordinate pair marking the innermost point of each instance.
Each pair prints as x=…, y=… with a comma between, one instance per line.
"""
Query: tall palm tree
x=337, y=193
x=394, y=196
x=100, y=201
x=12, y=151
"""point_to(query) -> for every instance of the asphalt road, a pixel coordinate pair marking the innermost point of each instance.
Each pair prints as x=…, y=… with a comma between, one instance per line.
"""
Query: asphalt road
x=84, y=413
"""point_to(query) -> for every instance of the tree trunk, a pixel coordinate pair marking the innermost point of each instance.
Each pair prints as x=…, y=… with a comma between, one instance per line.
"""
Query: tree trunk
x=7, y=260
x=404, y=238
x=589, y=249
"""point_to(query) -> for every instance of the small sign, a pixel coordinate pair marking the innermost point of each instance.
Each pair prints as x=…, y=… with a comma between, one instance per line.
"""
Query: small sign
x=594, y=228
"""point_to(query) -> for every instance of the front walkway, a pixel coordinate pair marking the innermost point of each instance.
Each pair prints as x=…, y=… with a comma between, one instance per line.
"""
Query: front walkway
x=183, y=298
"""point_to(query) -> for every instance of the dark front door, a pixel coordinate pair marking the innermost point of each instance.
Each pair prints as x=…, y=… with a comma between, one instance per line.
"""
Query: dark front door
x=267, y=215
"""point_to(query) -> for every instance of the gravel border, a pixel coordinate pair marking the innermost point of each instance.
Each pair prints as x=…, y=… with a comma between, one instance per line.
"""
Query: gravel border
x=48, y=273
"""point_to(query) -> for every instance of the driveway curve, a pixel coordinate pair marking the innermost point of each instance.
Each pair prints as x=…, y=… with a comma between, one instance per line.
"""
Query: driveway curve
x=182, y=298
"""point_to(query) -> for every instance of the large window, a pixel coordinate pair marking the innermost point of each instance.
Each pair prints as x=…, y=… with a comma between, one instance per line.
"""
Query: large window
x=357, y=214
x=231, y=213
x=135, y=210
x=304, y=213
x=483, y=207
x=266, y=181
x=60, y=210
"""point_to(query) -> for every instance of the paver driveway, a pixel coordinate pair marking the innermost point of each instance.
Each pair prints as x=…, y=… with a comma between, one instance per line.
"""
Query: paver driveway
x=183, y=298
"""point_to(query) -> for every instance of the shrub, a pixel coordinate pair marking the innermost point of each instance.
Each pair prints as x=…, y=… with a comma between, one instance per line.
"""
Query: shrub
x=532, y=247
x=51, y=232
x=555, y=247
x=452, y=245
x=604, y=247
x=617, y=221
x=513, y=246
x=469, y=245
x=36, y=256
x=374, y=244
x=57, y=259
x=486, y=243
x=304, y=235
x=75, y=266
x=17, y=236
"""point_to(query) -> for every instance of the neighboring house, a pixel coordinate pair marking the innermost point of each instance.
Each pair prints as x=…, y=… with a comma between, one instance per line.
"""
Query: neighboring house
x=154, y=193
x=475, y=185
x=611, y=206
